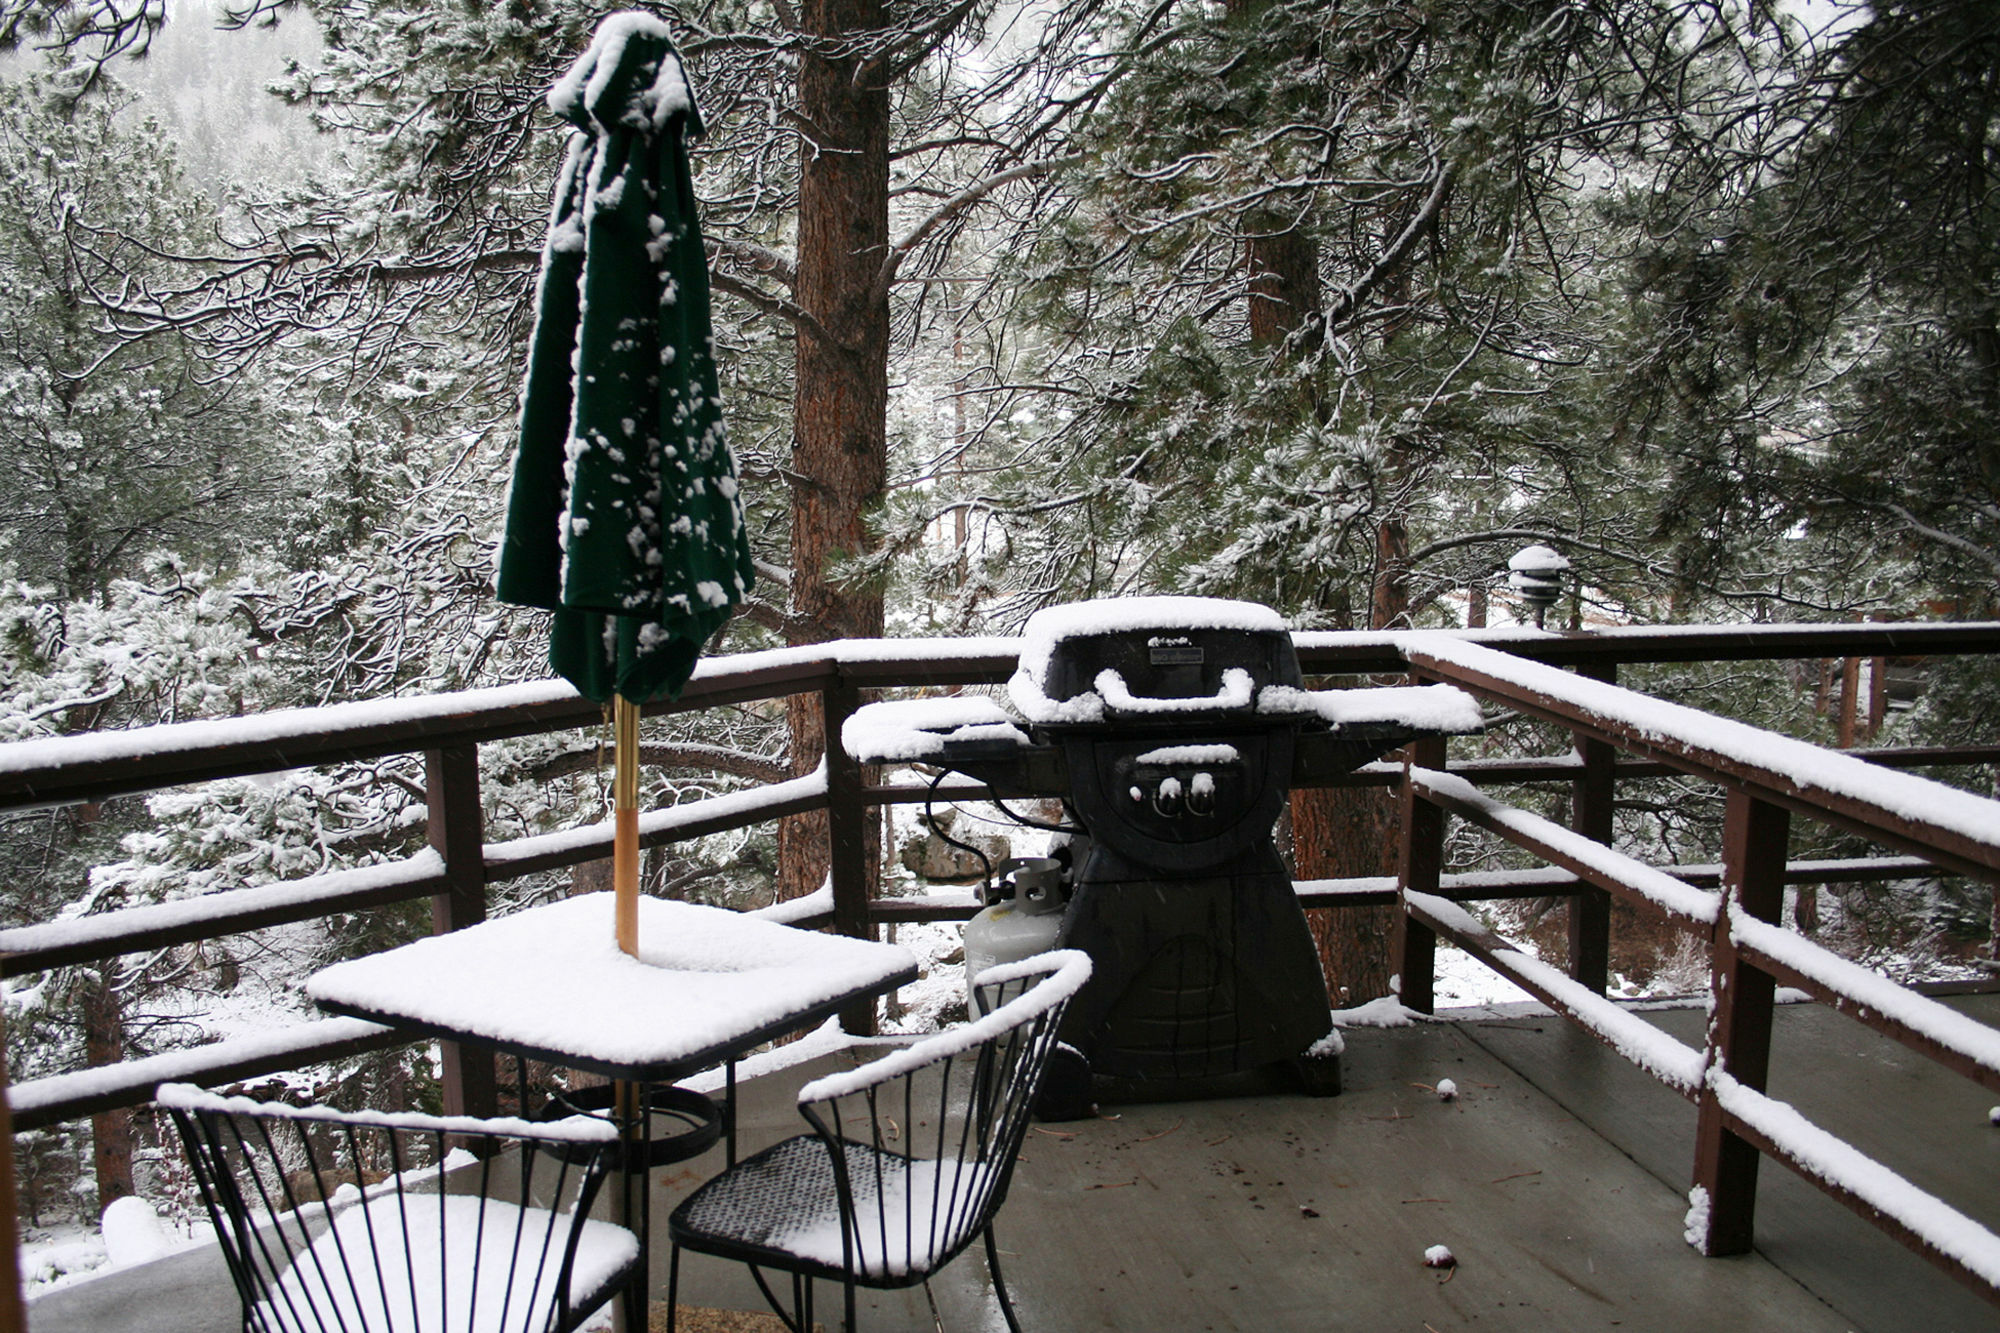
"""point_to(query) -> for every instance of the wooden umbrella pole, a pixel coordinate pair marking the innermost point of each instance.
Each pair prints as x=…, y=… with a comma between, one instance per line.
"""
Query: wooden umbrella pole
x=629, y=1315
x=625, y=807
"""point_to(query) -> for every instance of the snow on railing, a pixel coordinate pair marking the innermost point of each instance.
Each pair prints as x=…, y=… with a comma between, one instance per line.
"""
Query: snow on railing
x=45, y=1101
x=1677, y=1065
x=1767, y=776
x=1945, y=820
x=1567, y=848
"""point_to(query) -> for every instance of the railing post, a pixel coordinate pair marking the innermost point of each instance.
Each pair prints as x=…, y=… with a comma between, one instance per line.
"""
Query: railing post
x=457, y=833
x=1590, y=810
x=848, y=828
x=1418, y=870
x=1754, y=838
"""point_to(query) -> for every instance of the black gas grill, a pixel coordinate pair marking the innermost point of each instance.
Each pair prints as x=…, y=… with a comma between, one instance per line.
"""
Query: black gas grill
x=1173, y=729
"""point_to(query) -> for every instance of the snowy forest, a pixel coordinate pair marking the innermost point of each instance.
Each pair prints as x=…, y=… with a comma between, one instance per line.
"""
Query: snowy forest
x=1331, y=305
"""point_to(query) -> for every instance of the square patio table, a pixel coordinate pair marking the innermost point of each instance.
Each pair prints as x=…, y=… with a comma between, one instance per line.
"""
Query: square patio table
x=551, y=984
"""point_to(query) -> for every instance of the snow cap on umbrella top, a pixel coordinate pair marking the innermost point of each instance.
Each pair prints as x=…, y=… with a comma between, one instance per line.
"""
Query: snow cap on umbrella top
x=630, y=76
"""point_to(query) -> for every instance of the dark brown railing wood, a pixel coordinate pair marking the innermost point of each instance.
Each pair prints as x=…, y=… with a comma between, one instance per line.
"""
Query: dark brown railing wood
x=448, y=729
x=1915, y=830
x=1420, y=865
x=848, y=833
x=456, y=819
x=12, y=1320
x=1754, y=836
x=1591, y=815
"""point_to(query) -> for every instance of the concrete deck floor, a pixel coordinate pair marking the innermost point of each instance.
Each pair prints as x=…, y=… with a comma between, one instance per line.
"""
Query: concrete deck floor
x=1556, y=1179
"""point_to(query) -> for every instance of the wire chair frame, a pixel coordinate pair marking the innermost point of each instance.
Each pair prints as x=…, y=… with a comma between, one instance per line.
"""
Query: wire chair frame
x=338, y=1223
x=909, y=1160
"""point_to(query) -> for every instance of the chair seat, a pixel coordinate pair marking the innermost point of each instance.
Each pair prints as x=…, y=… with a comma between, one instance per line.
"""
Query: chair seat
x=440, y=1254
x=781, y=1207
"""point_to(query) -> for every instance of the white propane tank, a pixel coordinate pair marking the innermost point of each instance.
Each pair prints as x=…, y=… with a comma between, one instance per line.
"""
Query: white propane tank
x=1018, y=925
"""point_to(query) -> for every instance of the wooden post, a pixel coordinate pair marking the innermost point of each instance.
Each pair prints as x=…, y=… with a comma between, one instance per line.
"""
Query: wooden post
x=1418, y=870
x=848, y=828
x=1850, y=700
x=1590, y=811
x=1878, y=694
x=12, y=1320
x=1754, y=838
x=457, y=833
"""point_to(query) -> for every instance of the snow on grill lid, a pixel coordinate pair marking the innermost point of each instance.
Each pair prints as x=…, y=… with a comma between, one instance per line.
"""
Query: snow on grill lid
x=1048, y=629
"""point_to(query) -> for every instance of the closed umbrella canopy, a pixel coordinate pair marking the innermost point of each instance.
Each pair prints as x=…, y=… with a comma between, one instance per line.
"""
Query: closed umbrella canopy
x=624, y=516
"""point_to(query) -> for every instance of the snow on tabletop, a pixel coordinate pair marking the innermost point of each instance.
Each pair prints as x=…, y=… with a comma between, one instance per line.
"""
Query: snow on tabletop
x=1072, y=970
x=412, y=1264
x=1677, y=1065
x=1821, y=1156
x=570, y=1129
x=1869, y=989
x=552, y=978
x=911, y=730
x=1806, y=767
x=1435, y=708
x=1657, y=885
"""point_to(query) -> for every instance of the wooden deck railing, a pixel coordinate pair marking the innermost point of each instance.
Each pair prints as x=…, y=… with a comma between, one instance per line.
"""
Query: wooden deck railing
x=1568, y=680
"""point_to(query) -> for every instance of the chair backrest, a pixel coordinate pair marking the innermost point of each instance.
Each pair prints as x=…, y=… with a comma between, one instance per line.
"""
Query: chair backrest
x=923, y=1141
x=337, y=1221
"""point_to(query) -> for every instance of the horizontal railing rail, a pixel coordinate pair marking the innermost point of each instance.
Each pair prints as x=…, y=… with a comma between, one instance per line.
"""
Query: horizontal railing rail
x=1767, y=779
x=1553, y=677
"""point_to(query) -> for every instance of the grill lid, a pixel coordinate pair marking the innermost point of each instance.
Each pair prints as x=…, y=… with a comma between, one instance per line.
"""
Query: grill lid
x=1150, y=658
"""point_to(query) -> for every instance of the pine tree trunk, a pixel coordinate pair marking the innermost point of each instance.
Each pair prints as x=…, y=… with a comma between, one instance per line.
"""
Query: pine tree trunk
x=111, y=1133
x=840, y=408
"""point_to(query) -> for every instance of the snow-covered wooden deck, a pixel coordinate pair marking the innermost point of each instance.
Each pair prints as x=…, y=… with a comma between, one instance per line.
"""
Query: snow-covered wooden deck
x=1556, y=1179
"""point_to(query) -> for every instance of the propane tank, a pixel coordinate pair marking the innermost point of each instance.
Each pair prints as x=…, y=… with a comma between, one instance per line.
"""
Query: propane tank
x=1020, y=920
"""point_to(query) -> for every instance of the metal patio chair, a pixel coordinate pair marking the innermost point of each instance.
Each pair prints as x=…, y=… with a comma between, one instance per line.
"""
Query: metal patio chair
x=909, y=1158
x=387, y=1222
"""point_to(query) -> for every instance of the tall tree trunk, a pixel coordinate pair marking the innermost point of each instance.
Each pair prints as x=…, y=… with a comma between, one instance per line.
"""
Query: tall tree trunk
x=1346, y=831
x=111, y=1133
x=840, y=455
x=1335, y=831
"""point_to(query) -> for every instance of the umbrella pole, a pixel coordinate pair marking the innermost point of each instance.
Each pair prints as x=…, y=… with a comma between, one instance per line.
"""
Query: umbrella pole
x=625, y=807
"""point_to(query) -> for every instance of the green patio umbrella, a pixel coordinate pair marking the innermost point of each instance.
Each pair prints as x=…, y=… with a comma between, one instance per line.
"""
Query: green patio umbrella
x=624, y=516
